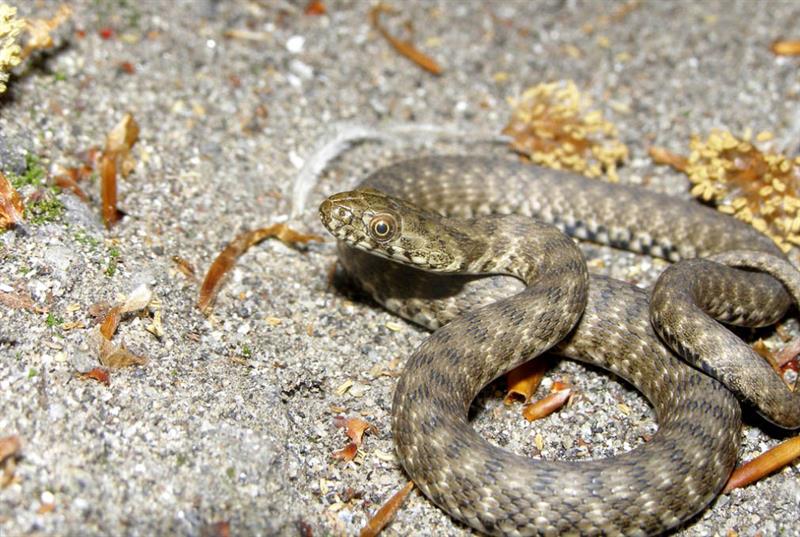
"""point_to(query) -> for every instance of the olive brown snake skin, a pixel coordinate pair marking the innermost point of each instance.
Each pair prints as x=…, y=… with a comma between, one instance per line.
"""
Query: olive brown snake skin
x=475, y=216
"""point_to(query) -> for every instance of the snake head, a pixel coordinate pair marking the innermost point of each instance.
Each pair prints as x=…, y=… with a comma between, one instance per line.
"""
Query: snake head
x=370, y=220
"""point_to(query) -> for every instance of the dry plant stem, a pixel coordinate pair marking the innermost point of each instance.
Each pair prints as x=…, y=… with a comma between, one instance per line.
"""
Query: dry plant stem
x=763, y=465
x=524, y=380
x=546, y=405
x=387, y=512
x=405, y=48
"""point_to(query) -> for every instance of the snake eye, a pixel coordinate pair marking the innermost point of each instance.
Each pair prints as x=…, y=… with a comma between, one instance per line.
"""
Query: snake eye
x=382, y=227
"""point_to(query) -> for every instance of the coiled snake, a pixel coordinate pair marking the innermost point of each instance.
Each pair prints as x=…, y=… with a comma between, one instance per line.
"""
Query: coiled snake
x=474, y=216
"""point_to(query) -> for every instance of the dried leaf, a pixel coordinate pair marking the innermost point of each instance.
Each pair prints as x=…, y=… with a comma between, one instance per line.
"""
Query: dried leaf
x=524, y=380
x=315, y=7
x=763, y=465
x=109, y=325
x=11, y=207
x=217, y=529
x=99, y=374
x=786, y=48
x=347, y=453
x=405, y=48
x=546, y=405
x=117, y=357
x=226, y=259
x=9, y=446
x=116, y=157
x=668, y=158
x=68, y=181
x=18, y=301
x=387, y=512
x=354, y=428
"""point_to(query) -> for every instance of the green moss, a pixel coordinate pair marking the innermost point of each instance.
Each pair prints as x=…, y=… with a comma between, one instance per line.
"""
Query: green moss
x=52, y=321
x=45, y=207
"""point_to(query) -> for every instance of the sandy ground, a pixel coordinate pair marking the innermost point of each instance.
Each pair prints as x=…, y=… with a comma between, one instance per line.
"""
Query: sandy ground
x=231, y=421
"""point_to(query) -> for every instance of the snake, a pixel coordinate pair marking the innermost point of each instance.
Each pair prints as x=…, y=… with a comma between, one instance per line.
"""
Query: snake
x=481, y=250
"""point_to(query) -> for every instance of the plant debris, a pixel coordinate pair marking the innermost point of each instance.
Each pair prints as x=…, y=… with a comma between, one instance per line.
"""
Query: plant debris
x=763, y=465
x=39, y=31
x=238, y=246
x=116, y=356
x=557, y=398
x=404, y=47
x=315, y=7
x=99, y=374
x=760, y=188
x=116, y=157
x=355, y=429
x=10, y=28
x=386, y=513
x=19, y=301
x=786, y=47
x=10, y=447
x=12, y=209
x=524, y=380
x=551, y=125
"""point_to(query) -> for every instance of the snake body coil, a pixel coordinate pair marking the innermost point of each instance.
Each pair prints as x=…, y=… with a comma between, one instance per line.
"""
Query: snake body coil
x=444, y=215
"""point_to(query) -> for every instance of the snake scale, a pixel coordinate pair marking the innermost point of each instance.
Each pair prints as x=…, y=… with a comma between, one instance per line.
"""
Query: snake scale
x=444, y=222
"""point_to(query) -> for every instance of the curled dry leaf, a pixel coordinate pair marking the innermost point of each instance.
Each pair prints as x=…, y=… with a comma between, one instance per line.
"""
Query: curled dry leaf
x=118, y=356
x=386, y=513
x=185, y=267
x=546, y=405
x=347, y=453
x=226, y=259
x=786, y=48
x=109, y=325
x=763, y=465
x=116, y=157
x=11, y=207
x=354, y=427
x=99, y=374
x=405, y=48
x=524, y=380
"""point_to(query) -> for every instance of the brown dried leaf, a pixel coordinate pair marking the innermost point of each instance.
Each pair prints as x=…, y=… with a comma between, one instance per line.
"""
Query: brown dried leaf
x=546, y=405
x=315, y=7
x=109, y=325
x=405, y=48
x=226, y=259
x=763, y=465
x=116, y=157
x=11, y=207
x=9, y=446
x=524, y=380
x=117, y=357
x=18, y=301
x=99, y=374
x=68, y=180
x=347, y=453
x=386, y=513
x=354, y=428
x=786, y=48
x=663, y=156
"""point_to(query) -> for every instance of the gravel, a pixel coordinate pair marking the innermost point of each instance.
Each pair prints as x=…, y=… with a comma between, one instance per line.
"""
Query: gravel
x=231, y=419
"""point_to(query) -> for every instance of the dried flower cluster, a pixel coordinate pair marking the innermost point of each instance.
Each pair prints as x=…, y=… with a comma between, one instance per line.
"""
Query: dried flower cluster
x=553, y=126
x=760, y=188
x=10, y=27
